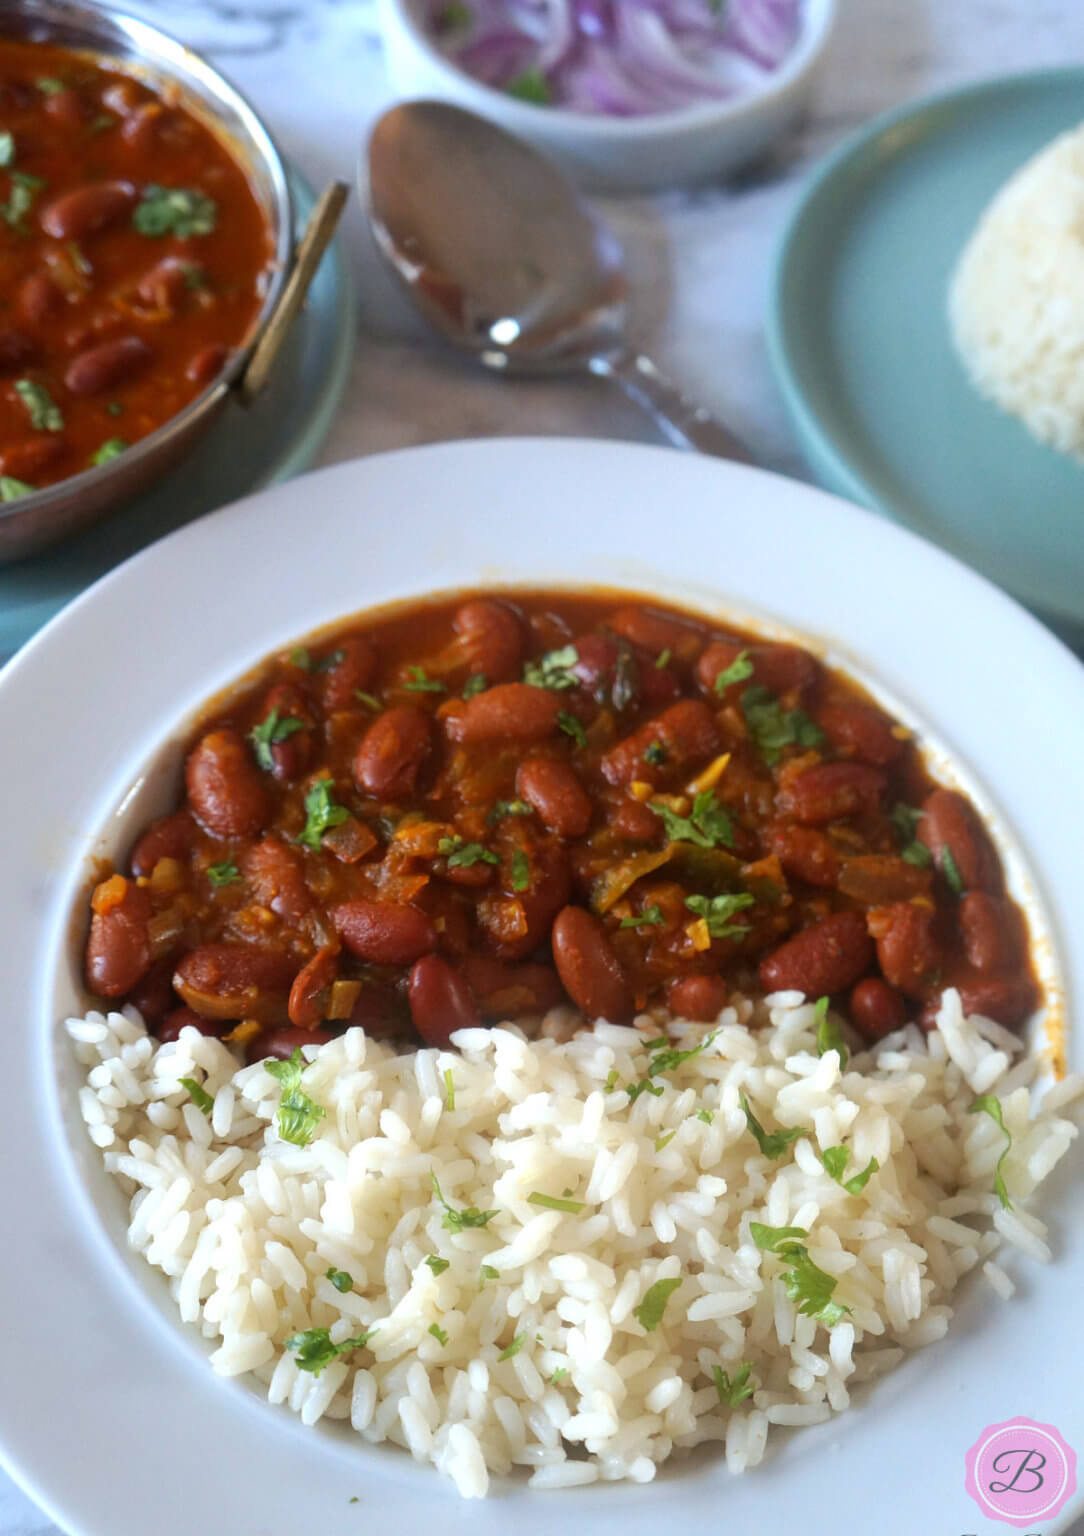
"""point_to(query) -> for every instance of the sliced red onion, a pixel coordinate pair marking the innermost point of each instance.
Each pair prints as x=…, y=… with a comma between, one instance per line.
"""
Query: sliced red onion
x=620, y=57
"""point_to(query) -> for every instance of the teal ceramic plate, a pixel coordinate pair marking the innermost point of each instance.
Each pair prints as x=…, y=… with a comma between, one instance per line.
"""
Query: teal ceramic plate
x=859, y=336
x=246, y=449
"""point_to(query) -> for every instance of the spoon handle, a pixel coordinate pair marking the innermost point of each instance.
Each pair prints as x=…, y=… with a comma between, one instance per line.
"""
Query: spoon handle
x=685, y=423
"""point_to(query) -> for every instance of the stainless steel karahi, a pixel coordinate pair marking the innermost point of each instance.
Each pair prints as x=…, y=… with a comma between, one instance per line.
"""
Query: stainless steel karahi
x=34, y=521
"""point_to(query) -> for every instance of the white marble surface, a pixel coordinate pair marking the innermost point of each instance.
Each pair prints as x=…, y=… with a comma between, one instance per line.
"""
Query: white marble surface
x=699, y=262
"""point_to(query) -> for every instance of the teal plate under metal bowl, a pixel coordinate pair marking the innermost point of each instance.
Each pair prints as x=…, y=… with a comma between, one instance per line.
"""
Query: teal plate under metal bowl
x=247, y=448
x=859, y=336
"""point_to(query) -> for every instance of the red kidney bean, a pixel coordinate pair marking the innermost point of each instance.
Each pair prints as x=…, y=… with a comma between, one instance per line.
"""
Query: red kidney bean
x=164, y=286
x=686, y=732
x=491, y=637
x=140, y=128
x=827, y=957
x=16, y=350
x=440, y=1001
x=281, y=1043
x=87, y=210
x=700, y=998
x=186, y=1018
x=226, y=790
x=107, y=366
x=309, y=994
x=153, y=996
x=554, y=789
x=119, y=951
x=393, y=752
x=206, y=364
x=517, y=922
x=657, y=686
x=832, y=791
x=27, y=458
x=637, y=822
x=235, y=981
x=908, y=950
x=170, y=837
x=276, y=875
x=778, y=668
x=657, y=632
x=949, y=821
x=989, y=942
x=38, y=300
x=68, y=107
x=879, y=879
x=340, y=680
x=596, y=658
x=1009, y=1000
x=589, y=969
x=381, y=1012
x=805, y=853
x=384, y=932
x=291, y=757
x=505, y=991
x=509, y=712
x=864, y=733
x=876, y=1009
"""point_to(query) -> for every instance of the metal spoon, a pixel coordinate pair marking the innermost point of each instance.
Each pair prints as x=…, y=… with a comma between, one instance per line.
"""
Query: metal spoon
x=500, y=254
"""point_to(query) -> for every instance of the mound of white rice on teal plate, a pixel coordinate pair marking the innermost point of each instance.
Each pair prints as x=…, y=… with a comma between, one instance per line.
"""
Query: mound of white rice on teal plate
x=1017, y=298
x=576, y=1256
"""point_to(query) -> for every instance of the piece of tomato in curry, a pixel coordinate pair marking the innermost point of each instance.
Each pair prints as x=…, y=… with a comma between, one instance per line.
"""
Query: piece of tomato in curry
x=480, y=807
x=134, y=258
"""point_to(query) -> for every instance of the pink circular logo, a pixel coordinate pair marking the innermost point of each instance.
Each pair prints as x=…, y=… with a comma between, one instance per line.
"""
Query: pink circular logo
x=1021, y=1472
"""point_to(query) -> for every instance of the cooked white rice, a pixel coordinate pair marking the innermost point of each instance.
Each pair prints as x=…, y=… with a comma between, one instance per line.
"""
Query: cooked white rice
x=1017, y=298
x=245, y=1226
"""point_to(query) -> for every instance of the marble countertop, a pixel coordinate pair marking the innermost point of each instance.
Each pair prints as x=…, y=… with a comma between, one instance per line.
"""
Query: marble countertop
x=698, y=261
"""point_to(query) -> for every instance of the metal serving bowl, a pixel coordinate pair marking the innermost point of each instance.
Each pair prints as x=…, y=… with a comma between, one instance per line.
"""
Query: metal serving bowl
x=34, y=521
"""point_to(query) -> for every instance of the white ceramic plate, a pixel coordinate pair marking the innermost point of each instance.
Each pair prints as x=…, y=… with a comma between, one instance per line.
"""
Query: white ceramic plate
x=108, y=1413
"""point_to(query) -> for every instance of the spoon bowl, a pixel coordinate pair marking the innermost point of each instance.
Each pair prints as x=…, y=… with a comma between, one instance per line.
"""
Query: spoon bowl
x=502, y=256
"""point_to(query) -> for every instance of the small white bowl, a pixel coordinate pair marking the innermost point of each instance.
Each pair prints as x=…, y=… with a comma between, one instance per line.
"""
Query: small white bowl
x=618, y=154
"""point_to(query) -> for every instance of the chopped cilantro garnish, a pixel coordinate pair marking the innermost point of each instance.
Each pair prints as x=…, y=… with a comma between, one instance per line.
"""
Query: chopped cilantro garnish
x=650, y=917
x=553, y=1203
x=665, y=1058
x=521, y=871
x=951, y=871
x=829, y=1034
x=45, y=414
x=461, y=855
x=655, y=754
x=739, y=671
x=705, y=1115
x=559, y=1374
x=718, y=910
x=225, y=873
x=180, y=211
x=708, y=824
x=772, y=1144
x=489, y=1273
x=509, y=808
x=473, y=685
x=449, y=1089
x=111, y=449
x=553, y=669
x=835, y=1160
x=645, y=1085
x=299, y=657
x=437, y=1265
x=438, y=1333
x=733, y=1393
x=24, y=189
x=7, y=148
x=322, y=814
x=611, y=1081
x=269, y=732
x=805, y=1284
x=453, y=17
x=649, y=1312
x=340, y=1280
x=370, y=700
x=530, y=86
x=329, y=662
x=774, y=728
x=990, y=1104
x=513, y=1348
x=663, y=658
x=418, y=681
x=456, y=1221
x=918, y=854
x=314, y=1349
x=904, y=819
x=48, y=86
x=297, y=1116
x=664, y=1140
x=198, y=1094
x=11, y=489
x=572, y=727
